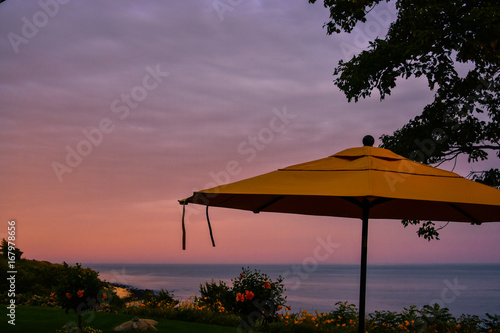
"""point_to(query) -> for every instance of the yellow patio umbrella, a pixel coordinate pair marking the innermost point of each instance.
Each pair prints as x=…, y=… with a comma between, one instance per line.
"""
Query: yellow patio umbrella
x=363, y=182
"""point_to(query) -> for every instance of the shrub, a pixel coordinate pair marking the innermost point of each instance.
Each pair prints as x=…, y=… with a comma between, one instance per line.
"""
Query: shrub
x=81, y=290
x=491, y=324
x=217, y=296
x=164, y=298
x=258, y=298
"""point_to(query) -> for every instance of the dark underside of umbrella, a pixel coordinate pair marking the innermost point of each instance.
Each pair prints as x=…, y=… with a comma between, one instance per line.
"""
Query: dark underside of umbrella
x=381, y=208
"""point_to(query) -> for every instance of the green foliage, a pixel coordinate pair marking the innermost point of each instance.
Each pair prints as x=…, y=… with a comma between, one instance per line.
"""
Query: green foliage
x=433, y=317
x=187, y=310
x=491, y=324
x=164, y=298
x=254, y=297
x=215, y=296
x=427, y=38
x=10, y=252
x=81, y=290
x=258, y=298
x=33, y=277
x=429, y=319
x=487, y=177
x=426, y=230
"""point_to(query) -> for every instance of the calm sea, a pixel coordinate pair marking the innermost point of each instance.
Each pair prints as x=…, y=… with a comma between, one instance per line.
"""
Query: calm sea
x=463, y=288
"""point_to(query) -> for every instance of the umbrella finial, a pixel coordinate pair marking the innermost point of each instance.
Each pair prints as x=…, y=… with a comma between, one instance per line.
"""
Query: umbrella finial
x=368, y=140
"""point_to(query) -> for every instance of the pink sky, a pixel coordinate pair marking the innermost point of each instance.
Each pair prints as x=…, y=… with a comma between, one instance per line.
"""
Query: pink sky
x=112, y=111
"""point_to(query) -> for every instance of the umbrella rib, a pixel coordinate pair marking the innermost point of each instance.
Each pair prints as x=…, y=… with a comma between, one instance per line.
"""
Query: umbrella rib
x=360, y=204
x=353, y=201
x=264, y=206
x=467, y=215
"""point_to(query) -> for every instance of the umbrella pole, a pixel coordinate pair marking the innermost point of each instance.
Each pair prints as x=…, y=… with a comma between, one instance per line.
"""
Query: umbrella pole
x=364, y=256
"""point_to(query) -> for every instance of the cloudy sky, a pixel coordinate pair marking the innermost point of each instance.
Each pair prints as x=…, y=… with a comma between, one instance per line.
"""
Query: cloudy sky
x=111, y=111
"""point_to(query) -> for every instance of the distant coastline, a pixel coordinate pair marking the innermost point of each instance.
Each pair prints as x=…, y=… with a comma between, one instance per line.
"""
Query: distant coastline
x=470, y=288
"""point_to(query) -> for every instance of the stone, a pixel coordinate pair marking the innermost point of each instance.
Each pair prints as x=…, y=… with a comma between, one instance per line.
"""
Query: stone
x=137, y=324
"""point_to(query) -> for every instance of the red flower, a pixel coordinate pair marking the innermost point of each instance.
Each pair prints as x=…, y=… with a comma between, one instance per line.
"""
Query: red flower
x=267, y=285
x=249, y=295
x=104, y=296
x=68, y=295
x=242, y=275
x=240, y=297
x=79, y=293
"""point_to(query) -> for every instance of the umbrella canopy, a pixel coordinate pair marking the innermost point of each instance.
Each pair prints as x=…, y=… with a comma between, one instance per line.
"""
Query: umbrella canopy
x=364, y=182
x=337, y=185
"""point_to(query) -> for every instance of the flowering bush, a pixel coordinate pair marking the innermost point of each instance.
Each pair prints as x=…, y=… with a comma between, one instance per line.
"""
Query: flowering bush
x=81, y=290
x=258, y=298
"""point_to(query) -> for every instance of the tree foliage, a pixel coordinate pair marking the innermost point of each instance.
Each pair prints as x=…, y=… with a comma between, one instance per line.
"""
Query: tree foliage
x=9, y=252
x=81, y=290
x=455, y=46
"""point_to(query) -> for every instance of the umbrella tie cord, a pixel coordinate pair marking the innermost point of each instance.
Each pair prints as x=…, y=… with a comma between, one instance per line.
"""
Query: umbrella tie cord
x=183, y=225
x=210, y=229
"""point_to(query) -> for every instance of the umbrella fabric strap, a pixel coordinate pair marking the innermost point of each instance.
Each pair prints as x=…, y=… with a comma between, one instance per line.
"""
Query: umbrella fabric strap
x=184, y=226
x=210, y=229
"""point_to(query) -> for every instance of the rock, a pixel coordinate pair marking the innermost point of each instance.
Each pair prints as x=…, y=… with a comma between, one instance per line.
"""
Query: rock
x=137, y=324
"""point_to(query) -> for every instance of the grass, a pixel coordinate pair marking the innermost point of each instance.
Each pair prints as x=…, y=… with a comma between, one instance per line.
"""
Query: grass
x=48, y=320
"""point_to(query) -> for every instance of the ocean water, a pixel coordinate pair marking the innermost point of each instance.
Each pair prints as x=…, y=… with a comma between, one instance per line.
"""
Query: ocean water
x=463, y=288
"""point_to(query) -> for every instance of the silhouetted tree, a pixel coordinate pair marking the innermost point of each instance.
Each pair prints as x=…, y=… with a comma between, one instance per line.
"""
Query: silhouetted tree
x=431, y=38
x=10, y=252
